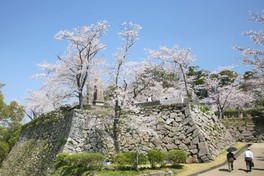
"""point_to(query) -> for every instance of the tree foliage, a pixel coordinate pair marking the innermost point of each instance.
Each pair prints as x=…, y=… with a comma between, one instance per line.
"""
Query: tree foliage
x=254, y=57
x=165, y=70
x=72, y=73
x=250, y=56
x=171, y=58
x=11, y=116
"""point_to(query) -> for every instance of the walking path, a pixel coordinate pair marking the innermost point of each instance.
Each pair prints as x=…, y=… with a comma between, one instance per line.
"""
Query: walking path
x=240, y=165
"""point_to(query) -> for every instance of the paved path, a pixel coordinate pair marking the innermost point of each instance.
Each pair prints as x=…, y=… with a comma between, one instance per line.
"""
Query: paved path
x=240, y=166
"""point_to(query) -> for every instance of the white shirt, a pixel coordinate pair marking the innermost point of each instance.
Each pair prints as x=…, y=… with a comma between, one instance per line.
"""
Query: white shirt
x=149, y=99
x=248, y=153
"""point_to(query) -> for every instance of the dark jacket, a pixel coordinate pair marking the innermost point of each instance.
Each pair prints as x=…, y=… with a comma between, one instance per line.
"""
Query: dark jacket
x=230, y=156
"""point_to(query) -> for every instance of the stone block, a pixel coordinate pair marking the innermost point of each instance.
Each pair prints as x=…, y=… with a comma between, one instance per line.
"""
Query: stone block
x=171, y=146
x=194, y=151
x=178, y=119
x=195, y=133
x=186, y=121
x=169, y=121
x=205, y=158
x=187, y=141
x=173, y=115
x=183, y=147
x=195, y=140
x=187, y=112
x=191, y=129
x=202, y=149
x=177, y=141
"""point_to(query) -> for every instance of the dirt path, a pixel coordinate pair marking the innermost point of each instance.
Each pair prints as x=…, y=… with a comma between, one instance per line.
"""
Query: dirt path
x=240, y=166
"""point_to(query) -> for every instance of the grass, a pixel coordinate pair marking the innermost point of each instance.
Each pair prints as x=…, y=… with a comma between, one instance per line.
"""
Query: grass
x=143, y=171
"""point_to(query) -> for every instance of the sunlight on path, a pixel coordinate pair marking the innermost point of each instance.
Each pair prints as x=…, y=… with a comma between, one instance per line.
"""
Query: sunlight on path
x=240, y=166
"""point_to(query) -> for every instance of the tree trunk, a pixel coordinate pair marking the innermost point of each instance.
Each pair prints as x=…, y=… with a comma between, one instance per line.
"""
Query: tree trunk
x=220, y=112
x=185, y=82
x=80, y=96
x=115, y=126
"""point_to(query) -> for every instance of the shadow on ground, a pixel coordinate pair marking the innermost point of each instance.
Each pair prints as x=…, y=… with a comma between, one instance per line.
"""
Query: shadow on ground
x=224, y=170
x=260, y=169
x=245, y=170
x=260, y=158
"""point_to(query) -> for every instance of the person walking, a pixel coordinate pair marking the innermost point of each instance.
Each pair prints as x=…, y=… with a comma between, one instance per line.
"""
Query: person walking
x=248, y=156
x=230, y=161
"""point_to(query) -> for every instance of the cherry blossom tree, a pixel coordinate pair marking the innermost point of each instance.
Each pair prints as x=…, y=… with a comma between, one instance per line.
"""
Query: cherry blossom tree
x=240, y=99
x=129, y=34
x=171, y=58
x=152, y=78
x=74, y=71
x=39, y=102
x=254, y=57
x=223, y=88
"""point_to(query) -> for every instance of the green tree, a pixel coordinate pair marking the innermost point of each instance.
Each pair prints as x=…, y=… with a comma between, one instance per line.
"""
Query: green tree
x=198, y=80
x=11, y=116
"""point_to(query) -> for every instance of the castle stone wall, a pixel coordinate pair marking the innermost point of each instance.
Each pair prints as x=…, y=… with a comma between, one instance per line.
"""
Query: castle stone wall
x=178, y=126
x=246, y=129
x=164, y=127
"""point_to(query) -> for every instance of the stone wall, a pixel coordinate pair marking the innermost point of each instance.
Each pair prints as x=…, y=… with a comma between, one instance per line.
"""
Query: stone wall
x=168, y=127
x=163, y=127
x=88, y=132
x=183, y=127
x=39, y=143
x=246, y=129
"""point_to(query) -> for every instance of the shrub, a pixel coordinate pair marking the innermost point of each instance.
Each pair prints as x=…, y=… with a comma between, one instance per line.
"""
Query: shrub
x=155, y=157
x=176, y=156
x=254, y=112
x=78, y=162
x=230, y=113
x=249, y=112
x=119, y=159
x=129, y=158
x=89, y=160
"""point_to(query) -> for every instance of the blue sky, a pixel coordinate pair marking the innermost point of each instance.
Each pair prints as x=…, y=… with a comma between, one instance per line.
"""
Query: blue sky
x=209, y=27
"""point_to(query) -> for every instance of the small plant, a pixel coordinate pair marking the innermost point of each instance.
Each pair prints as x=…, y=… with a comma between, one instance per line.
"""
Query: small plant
x=89, y=160
x=78, y=164
x=155, y=157
x=204, y=109
x=129, y=159
x=176, y=156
